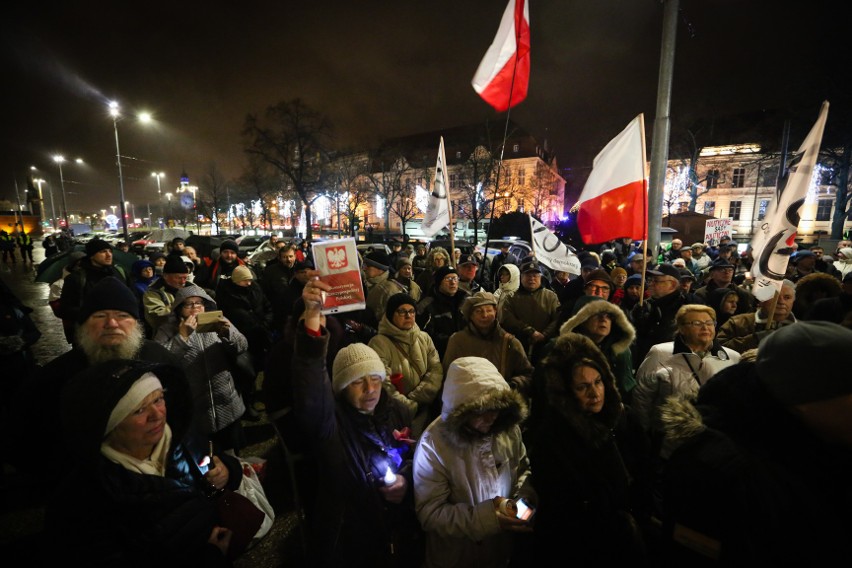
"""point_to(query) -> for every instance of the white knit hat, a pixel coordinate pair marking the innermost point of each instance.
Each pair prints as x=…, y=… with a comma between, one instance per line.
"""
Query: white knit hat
x=354, y=362
x=129, y=403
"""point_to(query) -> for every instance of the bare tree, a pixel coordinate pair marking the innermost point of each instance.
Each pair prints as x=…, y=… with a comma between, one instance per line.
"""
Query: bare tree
x=389, y=169
x=295, y=139
x=477, y=179
x=350, y=189
x=259, y=183
x=405, y=205
x=211, y=194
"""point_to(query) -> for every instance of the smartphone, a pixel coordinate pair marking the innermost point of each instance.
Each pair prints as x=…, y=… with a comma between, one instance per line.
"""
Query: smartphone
x=525, y=511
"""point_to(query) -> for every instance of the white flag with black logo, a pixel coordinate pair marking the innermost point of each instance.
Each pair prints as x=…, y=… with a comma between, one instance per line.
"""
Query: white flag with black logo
x=776, y=240
x=552, y=252
x=438, y=211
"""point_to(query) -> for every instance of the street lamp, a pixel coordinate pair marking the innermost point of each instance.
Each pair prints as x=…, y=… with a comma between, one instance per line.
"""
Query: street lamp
x=113, y=209
x=38, y=182
x=59, y=159
x=115, y=113
x=169, y=199
x=159, y=194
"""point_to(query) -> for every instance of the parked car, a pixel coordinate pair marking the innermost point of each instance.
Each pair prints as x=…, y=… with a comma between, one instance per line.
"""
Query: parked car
x=364, y=248
x=248, y=243
x=517, y=247
x=465, y=246
x=156, y=240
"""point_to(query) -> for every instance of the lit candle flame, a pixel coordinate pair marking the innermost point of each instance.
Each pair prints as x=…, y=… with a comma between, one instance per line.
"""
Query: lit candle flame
x=390, y=477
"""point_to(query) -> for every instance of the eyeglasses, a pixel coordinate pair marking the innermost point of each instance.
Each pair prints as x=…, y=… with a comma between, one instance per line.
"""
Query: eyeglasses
x=659, y=281
x=406, y=313
x=696, y=323
x=451, y=279
x=193, y=305
x=595, y=288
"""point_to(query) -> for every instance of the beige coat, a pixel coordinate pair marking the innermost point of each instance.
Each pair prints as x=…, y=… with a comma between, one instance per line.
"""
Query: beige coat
x=422, y=374
x=500, y=347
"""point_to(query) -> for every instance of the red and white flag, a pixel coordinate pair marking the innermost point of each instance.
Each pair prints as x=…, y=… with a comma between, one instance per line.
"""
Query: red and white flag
x=504, y=73
x=614, y=201
x=776, y=241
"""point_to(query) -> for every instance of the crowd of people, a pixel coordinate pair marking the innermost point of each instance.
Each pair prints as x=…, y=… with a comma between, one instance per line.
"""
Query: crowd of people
x=476, y=411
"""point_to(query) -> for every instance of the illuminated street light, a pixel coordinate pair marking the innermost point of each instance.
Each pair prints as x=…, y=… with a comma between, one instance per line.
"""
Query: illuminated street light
x=59, y=159
x=115, y=113
x=158, y=175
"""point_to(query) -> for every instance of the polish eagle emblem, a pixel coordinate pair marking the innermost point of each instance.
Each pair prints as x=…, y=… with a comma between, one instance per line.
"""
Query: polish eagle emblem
x=336, y=257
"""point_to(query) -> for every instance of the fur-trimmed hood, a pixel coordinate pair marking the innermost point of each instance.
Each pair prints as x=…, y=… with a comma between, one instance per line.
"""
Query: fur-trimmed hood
x=568, y=349
x=622, y=333
x=473, y=385
x=818, y=284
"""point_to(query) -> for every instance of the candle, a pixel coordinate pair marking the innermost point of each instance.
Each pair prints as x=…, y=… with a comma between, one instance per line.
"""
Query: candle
x=390, y=477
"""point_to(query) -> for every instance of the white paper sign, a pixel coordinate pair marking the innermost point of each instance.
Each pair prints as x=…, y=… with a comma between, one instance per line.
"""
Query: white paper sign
x=715, y=229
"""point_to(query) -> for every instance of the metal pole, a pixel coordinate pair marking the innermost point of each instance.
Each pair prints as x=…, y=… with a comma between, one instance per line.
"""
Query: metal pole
x=52, y=206
x=64, y=207
x=18, y=198
x=40, y=203
x=662, y=127
x=120, y=183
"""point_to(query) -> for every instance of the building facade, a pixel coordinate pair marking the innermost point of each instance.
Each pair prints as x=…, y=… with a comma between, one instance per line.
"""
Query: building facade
x=738, y=182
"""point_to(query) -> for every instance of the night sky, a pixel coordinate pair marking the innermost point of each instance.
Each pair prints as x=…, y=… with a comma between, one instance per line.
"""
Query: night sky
x=376, y=69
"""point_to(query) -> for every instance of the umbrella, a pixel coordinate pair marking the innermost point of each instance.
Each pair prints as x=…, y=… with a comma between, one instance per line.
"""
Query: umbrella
x=50, y=270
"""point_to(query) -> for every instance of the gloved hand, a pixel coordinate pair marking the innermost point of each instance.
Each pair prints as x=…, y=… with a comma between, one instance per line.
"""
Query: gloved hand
x=396, y=381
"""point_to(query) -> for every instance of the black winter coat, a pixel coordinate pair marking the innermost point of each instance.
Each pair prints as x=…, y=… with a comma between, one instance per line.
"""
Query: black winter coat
x=354, y=525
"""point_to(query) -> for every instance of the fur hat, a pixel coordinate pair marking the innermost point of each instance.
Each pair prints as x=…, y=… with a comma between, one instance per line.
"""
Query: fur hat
x=96, y=245
x=229, y=244
x=397, y=300
x=403, y=261
x=175, y=265
x=481, y=298
x=785, y=362
x=109, y=294
x=354, y=362
x=241, y=273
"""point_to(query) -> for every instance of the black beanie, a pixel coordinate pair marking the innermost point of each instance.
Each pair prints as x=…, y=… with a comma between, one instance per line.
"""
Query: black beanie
x=785, y=362
x=229, y=244
x=378, y=259
x=175, y=265
x=442, y=273
x=397, y=300
x=109, y=294
x=95, y=246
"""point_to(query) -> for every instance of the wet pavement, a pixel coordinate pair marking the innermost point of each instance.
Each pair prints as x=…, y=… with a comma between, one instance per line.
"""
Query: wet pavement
x=21, y=514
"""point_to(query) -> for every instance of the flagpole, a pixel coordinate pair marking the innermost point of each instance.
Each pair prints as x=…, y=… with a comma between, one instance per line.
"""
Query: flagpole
x=645, y=205
x=500, y=163
x=449, y=207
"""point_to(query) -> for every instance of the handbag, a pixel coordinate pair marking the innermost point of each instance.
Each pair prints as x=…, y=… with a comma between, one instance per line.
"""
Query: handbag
x=246, y=511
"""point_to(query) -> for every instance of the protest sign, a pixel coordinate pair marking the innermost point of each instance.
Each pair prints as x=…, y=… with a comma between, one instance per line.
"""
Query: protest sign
x=715, y=229
x=337, y=263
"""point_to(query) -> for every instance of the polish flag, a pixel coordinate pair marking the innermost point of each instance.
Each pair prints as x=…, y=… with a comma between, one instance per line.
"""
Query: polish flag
x=504, y=73
x=614, y=201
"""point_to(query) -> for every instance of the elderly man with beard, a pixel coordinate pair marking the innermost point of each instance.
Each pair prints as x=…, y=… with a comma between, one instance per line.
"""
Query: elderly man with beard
x=109, y=328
